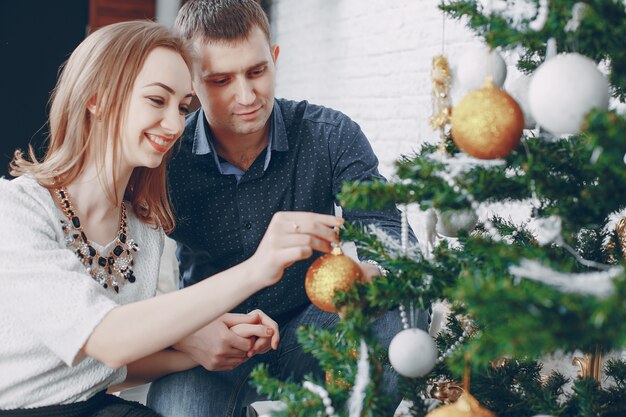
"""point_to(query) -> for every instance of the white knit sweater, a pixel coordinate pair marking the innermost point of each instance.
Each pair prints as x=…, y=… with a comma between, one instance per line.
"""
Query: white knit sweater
x=49, y=304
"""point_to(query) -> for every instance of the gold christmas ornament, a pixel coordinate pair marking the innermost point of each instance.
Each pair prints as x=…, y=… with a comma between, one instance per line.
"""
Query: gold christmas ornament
x=327, y=275
x=441, y=79
x=487, y=123
x=446, y=391
x=465, y=406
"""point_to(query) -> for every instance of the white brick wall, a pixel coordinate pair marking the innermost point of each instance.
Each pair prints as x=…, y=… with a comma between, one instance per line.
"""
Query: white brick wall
x=368, y=58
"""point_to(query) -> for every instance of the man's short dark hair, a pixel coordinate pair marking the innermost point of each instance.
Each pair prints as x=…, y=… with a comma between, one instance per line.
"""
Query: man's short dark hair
x=221, y=20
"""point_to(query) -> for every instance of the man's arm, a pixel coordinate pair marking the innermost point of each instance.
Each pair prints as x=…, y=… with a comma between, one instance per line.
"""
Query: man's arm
x=354, y=159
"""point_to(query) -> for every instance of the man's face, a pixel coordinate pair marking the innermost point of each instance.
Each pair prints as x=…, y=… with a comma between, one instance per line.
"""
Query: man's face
x=235, y=84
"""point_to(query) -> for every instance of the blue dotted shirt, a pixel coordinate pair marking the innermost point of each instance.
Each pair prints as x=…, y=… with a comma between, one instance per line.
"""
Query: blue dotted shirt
x=221, y=217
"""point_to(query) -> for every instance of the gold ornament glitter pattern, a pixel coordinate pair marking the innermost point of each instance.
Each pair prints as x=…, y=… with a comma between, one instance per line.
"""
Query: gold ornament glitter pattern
x=487, y=123
x=465, y=406
x=446, y=391
x=327, y=275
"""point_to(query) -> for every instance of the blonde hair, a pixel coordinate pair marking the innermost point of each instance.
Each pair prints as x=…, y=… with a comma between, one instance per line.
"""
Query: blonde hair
x=101, y=72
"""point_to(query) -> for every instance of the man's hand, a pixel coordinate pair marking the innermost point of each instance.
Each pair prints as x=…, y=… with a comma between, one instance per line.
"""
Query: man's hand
x=370, y=271
x=265, y=334
x=216, y=347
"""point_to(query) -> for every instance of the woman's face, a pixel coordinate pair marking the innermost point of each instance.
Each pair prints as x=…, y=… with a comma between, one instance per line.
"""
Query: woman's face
x=159, y=101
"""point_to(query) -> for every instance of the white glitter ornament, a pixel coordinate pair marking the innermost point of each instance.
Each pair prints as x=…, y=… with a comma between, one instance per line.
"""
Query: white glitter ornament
x=563, y=90
x=471, y=68
x=519, y=91
x=413, y=353
x=451, y=222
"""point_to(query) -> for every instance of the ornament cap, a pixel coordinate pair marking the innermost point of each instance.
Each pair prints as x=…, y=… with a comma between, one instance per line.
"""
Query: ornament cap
x=489, y=82
x=336, y=250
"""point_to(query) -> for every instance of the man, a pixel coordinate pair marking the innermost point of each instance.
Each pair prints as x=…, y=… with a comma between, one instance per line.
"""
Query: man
x=243, y=157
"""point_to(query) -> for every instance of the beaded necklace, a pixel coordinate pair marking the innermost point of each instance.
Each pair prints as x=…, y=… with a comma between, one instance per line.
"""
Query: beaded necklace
x=109, y=270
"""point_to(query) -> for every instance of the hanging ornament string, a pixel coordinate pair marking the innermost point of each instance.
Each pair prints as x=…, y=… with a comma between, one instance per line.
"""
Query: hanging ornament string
x=491, y=229
x=404, y=241
x=323, y=394
x=468, y=326
x=441, y=78
x=442, y=109
x=409, y=319
x=404, y=230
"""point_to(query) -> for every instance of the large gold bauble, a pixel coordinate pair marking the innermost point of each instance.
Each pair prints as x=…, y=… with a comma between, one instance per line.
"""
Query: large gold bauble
x=327, y=275
x=487, y=123
x=465, y=406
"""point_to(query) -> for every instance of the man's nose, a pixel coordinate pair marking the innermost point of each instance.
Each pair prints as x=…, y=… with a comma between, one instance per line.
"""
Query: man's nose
x=245, y=92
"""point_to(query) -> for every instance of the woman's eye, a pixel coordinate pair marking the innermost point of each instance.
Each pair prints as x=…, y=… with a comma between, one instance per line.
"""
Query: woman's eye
x=184, y=110
x=157, y=101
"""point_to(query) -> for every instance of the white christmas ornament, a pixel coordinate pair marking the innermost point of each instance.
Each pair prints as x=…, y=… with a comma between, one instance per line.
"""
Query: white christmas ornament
x=451, y=222
x=519, y=91
x=471, y=68
x=563, y=90
x=412, y=353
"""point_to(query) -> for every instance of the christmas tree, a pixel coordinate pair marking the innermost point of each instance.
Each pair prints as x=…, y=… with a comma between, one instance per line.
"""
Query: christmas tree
x=518, y=290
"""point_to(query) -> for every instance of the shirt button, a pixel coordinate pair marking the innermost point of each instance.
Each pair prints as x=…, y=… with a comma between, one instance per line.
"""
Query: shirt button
x=247, y=225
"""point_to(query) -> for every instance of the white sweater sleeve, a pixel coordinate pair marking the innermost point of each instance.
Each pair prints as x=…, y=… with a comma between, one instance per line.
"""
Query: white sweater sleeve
x=43, y=285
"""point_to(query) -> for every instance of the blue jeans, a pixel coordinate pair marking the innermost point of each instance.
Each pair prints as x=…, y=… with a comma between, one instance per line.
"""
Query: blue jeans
x=202, y=393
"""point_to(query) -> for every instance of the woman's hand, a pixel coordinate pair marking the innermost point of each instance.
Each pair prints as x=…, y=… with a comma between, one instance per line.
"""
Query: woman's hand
x=292, y=236
x=264, y=334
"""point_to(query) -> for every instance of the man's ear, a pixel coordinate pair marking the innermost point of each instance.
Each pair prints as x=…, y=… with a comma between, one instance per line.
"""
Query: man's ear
x=275, y=50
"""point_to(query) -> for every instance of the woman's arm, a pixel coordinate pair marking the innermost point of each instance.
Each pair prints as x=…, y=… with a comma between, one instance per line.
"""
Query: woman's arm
x=133, y=331
x=154, y=366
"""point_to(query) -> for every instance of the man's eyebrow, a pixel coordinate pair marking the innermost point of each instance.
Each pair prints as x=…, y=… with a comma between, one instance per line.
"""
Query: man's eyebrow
x=208, y=74
x=167, y=88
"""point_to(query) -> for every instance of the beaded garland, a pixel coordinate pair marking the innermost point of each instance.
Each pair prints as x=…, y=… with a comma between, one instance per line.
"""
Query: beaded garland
x=106, y=271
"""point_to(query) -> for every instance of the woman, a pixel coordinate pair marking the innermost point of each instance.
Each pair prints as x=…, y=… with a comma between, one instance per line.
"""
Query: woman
x=83, y=231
